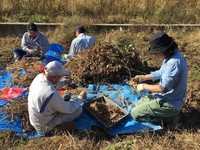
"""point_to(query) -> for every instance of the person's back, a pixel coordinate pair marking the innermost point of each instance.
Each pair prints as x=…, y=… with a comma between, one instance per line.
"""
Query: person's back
x=40, y=90
x=81, y=42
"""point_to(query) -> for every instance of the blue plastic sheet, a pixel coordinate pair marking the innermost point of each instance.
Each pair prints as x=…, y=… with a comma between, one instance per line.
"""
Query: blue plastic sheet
x=5, y=79
x=53, y=54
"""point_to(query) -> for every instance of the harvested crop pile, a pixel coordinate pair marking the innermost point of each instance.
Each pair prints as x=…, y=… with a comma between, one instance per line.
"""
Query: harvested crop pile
x=23, y=81
x=21, y=74
x=106, y=112
x=18, y=107
x=26, y=63
x=104, y=63
x=6, y=57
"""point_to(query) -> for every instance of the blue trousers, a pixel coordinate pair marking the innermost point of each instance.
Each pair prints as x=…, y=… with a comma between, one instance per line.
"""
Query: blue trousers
x=20, y=53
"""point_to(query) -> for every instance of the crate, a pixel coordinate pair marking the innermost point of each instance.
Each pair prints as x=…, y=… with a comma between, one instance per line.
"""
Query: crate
x=95, y=115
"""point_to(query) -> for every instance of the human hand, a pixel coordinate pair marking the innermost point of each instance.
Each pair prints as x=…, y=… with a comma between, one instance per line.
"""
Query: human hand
x=30, y=51
x=139, y=78
x=140, y=88
x=83, y=94
x=37, y=48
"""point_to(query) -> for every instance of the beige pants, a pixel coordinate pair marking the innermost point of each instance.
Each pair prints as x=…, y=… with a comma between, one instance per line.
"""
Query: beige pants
x=155, y=110
x=60, y=118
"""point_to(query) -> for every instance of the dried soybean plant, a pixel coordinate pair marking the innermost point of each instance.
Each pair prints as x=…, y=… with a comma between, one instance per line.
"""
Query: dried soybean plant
x=25, y=63
x=5, y=57
x=24, y=71
x=104, y=63
x=18, y=108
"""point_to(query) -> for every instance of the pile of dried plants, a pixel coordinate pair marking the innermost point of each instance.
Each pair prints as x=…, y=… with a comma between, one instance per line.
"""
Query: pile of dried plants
x=24, y=71
x=6, y=58
x=104, y=63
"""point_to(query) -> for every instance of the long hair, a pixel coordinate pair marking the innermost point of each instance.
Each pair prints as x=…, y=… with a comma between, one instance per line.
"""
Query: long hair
x=170, y=51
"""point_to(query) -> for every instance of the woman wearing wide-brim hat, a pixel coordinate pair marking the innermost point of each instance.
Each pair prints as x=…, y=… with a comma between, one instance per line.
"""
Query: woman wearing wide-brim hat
x=166, y=100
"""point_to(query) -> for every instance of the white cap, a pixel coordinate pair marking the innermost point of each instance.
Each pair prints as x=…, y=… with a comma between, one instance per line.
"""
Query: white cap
x=55, y=68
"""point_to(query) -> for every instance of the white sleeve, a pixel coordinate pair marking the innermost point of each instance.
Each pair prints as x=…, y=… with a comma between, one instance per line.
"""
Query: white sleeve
x=72, y=49
x=24, y=43
x=59, y=104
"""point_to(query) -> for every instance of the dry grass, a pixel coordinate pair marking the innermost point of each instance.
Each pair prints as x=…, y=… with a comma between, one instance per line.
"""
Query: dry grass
x=109, y=11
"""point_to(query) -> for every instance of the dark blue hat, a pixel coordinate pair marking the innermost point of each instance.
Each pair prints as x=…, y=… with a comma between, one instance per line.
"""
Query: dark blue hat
x=81, y=29
x=32, y=27
x=159, y=42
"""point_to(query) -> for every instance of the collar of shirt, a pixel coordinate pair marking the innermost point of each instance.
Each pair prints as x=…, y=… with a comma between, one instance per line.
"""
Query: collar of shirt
x=81, y=35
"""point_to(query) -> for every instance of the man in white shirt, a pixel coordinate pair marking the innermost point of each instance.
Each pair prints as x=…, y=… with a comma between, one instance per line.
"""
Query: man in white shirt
x=47, y=109
x=81, y=42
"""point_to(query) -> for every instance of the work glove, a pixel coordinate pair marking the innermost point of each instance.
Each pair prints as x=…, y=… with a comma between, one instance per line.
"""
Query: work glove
x=139, y=78
x=140, y=88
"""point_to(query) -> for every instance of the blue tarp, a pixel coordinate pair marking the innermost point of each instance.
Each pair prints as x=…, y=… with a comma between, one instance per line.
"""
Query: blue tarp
x=53, y=54
x=84, y=122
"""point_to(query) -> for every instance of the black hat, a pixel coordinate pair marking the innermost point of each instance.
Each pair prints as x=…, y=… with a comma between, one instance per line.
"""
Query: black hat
x=32, y=27
x=159, y=42
x=81, y=29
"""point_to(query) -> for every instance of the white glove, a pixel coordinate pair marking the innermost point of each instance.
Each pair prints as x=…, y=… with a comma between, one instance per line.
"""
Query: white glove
x=140, y=88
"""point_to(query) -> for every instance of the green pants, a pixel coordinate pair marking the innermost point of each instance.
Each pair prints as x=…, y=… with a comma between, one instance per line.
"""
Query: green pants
x=155, y=110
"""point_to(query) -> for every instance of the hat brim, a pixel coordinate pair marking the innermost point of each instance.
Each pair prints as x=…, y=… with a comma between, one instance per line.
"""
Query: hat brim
x=160, y=49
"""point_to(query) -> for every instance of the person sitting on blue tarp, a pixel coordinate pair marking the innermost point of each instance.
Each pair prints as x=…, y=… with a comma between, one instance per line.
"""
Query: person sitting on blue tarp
x=81, y=42
x=34, y=43
x=47, y=109
x=167, y=101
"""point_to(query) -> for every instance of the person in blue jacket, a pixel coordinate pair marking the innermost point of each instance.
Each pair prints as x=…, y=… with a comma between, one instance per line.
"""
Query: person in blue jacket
x=81, y=42
x=167, y=98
